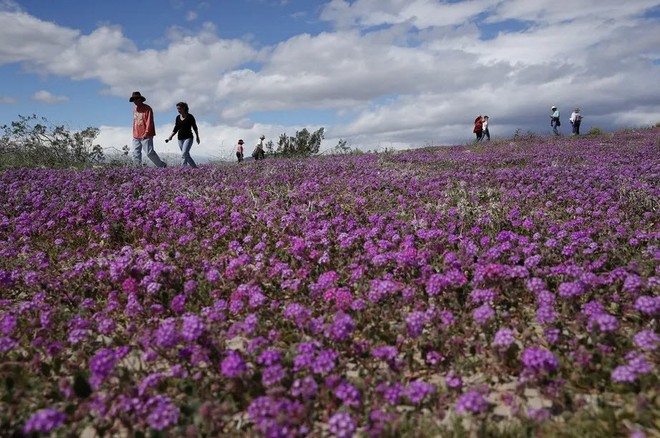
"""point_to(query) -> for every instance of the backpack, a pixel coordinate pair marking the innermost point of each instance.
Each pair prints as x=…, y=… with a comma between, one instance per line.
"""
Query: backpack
x=577, y=118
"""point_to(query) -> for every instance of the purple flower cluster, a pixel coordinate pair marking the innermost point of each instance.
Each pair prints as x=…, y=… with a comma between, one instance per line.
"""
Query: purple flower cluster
x=44, y=421
x=539, y=361
x=473, y=402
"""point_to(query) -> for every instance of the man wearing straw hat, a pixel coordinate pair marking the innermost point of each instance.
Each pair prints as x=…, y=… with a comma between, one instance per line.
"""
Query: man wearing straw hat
x=144, y=131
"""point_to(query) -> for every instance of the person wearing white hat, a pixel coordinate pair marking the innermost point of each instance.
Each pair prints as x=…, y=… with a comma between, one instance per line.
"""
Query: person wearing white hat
x=554, y=120
x=259, y=153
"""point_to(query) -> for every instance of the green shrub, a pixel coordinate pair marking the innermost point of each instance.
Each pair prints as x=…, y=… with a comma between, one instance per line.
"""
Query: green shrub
x=35, y=142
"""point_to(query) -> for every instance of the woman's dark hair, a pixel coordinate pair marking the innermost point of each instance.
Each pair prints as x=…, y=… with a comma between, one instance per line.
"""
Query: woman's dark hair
x=183, y=105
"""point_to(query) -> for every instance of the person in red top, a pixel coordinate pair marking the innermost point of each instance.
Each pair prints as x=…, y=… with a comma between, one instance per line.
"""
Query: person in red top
x=144, y=131
x=478, y=127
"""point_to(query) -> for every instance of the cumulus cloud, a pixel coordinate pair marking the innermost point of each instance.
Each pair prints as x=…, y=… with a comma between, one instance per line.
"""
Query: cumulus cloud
x=395, y=72
x=48, y=97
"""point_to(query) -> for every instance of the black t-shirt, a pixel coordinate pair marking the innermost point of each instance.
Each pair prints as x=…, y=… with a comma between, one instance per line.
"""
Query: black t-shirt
x=185, y=127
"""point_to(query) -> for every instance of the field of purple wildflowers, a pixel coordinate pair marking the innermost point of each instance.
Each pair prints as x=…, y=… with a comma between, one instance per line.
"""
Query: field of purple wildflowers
x=503, y=289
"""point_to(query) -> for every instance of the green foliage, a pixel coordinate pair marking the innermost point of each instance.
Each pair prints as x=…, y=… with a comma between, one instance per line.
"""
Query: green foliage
x=304, y=144
x=33, y=142
x=595, y=131
x=343, y=148
x=528, y=136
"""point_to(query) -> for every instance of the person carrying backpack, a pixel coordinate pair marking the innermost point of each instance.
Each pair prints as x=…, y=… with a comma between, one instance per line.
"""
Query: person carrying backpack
x=576, y=119
x=259, y=153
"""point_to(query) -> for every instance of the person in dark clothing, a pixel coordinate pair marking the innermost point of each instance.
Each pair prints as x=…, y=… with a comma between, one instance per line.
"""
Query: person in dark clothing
x=478, y=127
x=239, y=150
x=184, y=125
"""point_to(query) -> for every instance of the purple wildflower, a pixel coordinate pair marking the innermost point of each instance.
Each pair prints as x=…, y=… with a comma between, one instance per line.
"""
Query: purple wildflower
x=233, y=365
x=453, y=381
x=646, y=340
x=324, y=362
x=624, y=373
x=269, y=357
x=503, y=338
x=473, y=402
x=546, y=314
x=167, y=335
x=342, y=425
x=415, y=323
x=149, y=382
x=101, y=365
x=341, y=328
x=44, y=421
x=638, y=363
x=7, y=324
x=273, y=375
x=572, y=289
x=648, y=305
x=436, y=284
x=483, y=296
x=433, y=358
x=482, y=314
x=417, y=390
x=305, y=387
x=538, y=361
x=348, y=394
x=605, y=322
x=164, y=412
x=192, y=327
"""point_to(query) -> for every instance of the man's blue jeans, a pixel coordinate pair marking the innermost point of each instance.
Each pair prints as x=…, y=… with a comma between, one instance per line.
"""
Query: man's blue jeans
x=148, y=145
x=186, y=159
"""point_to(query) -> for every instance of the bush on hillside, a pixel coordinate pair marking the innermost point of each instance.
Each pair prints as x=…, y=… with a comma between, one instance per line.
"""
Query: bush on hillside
x=303, y=144
x=33, y=141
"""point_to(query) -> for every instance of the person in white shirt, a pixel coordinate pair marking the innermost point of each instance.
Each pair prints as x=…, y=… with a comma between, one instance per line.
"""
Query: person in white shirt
x=259, y=153
x=554, y=120
x=486, y=132
x=576, y=119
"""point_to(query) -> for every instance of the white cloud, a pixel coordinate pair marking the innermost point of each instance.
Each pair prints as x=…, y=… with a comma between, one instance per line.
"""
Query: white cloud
x=191, y=16
x=48, y=97
x=397, y=72
x=7, y=100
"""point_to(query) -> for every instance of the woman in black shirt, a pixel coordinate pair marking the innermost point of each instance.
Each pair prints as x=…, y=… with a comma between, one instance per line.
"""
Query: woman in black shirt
x=185, y=124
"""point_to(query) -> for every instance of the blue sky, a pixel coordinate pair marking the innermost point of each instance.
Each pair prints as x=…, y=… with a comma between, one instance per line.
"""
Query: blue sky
x=378, y=73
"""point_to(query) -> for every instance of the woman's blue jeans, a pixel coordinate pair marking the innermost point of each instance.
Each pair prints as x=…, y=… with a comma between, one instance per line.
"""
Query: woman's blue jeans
x=186, y=159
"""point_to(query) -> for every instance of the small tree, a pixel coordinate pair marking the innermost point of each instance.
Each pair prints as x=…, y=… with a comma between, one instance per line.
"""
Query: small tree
x=304, y=144
x=32, y=141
